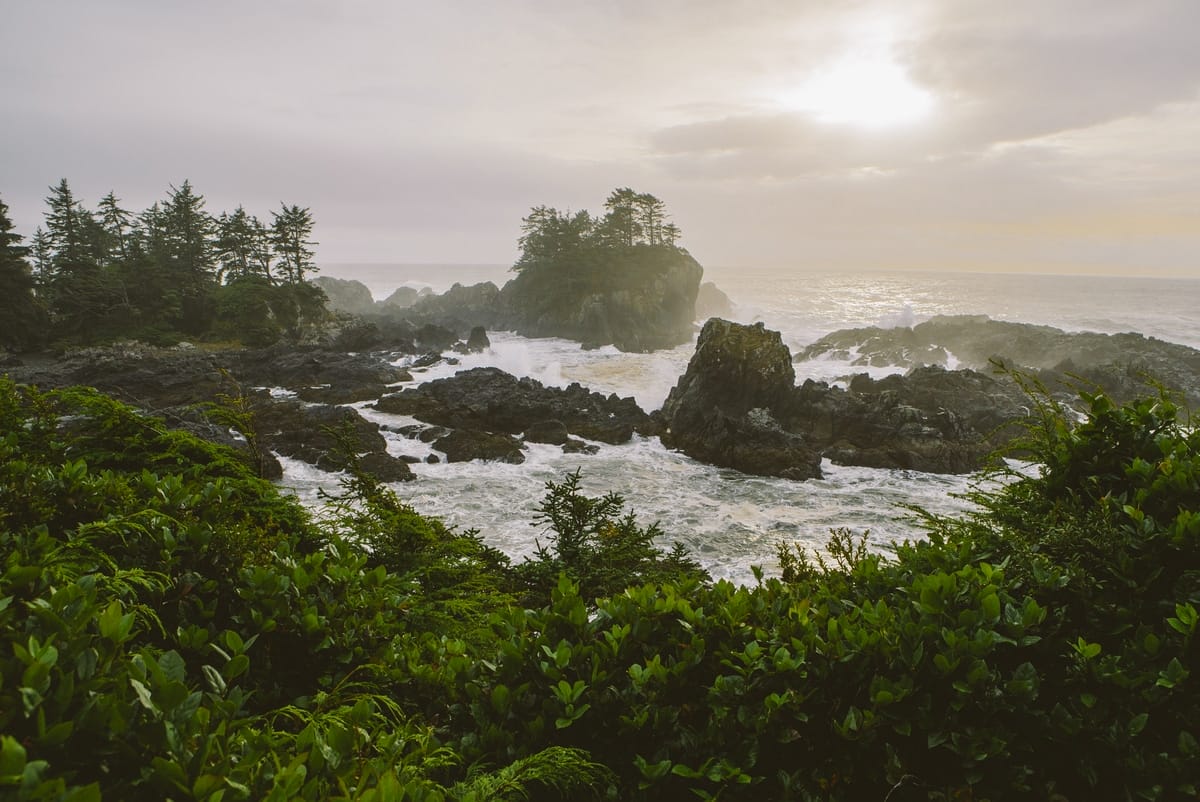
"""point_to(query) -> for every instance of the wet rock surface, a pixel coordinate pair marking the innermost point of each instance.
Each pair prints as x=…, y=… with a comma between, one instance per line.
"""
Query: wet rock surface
x=1120, y=364
x=175, y=384
x=488, y=399
x=464, y=445
x=722, y=410
x=737, y=406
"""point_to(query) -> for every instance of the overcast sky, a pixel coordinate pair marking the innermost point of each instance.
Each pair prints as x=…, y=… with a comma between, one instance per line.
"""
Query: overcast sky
x=1049, y=135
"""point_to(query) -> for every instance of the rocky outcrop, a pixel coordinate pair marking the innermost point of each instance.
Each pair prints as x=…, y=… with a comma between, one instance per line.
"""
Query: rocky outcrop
x=175, y=383
x=464, y=445
x=737, y=406
x=402, y=298
x=640, y=298
x=722, y=410
x=459, y=308
x=346, y=295
x=932, y=420
x=712, y=302
x=477, y=341
x=317, y=374
x=1120, y=364
x=488, y=399
x=320, y=434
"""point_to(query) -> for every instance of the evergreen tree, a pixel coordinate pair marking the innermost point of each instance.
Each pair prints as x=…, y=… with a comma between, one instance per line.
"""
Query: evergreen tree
x=188, y=238
x=66, y=227
x=548, y=235
x=115, y=223
x=80, y=295
x=261, y=255
x=651, y=214
x=290, y=231
x=22, y=316
x=188, y=234
x=235, y=245
x=42, y=252
x=622, y=224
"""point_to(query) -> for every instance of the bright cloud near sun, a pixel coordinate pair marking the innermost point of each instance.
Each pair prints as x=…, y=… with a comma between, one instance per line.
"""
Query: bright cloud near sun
x=865, y=89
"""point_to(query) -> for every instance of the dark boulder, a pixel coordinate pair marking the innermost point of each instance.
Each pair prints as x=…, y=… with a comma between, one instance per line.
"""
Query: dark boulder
x=722, y=409
x=489, y=399
x=550, y=431
x=320, y=434
x=737, y=406
x=464, y=445
x=435, y=338
x=573, y=446
x=478, y=340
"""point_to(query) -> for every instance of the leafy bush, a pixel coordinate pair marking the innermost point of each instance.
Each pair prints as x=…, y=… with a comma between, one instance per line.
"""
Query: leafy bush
x=174, y=627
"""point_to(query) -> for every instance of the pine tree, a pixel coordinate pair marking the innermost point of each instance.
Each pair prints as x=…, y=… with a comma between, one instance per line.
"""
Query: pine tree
x=290, y=231
x=22, y=316
x=651, y=214
x=115, y=223
x=621, y=225
x=235, y=245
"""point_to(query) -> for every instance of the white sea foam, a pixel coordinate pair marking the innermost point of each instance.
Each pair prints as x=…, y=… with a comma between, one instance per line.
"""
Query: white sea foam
x=731, y=521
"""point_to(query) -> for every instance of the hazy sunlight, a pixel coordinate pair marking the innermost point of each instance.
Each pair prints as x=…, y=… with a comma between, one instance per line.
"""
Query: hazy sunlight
x=870, y=91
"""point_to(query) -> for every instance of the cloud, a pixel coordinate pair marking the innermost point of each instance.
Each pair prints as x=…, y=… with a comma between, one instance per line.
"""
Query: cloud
x=425, y=131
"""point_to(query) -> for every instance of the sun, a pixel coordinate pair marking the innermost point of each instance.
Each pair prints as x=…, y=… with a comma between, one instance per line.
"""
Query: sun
x=861, y=90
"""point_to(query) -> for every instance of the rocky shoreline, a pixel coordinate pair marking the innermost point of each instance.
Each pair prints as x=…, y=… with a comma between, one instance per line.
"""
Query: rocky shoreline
x=736, y=406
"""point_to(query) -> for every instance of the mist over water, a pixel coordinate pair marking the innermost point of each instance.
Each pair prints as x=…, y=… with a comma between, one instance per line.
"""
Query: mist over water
x=731, y=521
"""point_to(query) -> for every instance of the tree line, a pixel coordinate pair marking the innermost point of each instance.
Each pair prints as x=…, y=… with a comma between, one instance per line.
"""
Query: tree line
x=631, y=219
x=173, y=270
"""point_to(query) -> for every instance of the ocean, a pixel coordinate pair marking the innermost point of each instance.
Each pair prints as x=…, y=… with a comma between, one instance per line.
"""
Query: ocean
x=730, y=521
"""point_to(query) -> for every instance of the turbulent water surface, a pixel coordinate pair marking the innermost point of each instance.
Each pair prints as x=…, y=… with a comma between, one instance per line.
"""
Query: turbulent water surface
x=731, y=521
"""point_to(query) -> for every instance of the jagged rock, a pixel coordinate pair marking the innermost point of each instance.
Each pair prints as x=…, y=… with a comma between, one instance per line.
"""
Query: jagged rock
x=319, y=375
x=550, y=431
x=638, y=299
x=711, y=302
x=401, y=298
x=737, y=406
x=459, y=307
x=346, y=295
x=734, y=369
x=310, y=432
x=385, y=467
x=167, y=382
x=148, y=378
x=478, y=340
x=1119, y=363
x=435, y=338
x=489, y=399
x=464, y=445
x=720, y=411
x=426, y=360
x=573, y=446
x=428, y=434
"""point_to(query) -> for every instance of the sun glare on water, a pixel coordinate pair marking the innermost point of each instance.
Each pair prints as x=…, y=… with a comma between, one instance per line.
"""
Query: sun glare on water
x=867, y=91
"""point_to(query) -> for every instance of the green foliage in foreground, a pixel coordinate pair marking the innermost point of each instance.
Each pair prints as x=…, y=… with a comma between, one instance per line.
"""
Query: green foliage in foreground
x=174, y=628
